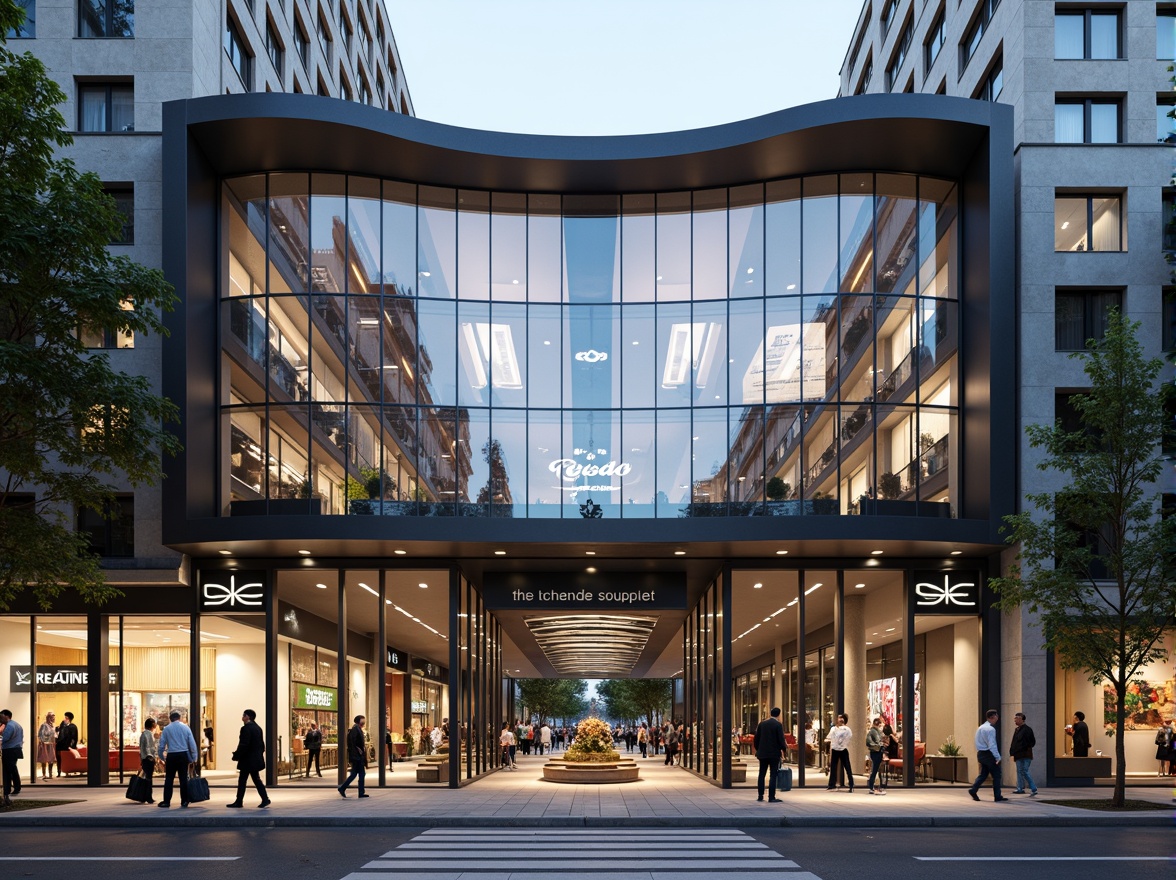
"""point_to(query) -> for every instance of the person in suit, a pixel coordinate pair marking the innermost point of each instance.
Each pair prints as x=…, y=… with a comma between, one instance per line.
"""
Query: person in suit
x=250, y=758
x=67, y=737
x=769, y=748
x=356, y=756
x=177, y=746
x=314, y=745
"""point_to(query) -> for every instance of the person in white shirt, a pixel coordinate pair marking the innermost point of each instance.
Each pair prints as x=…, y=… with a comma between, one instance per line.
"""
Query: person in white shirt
x=544, y=738
x=839, y=738
x=988, y=754
x=506, y=739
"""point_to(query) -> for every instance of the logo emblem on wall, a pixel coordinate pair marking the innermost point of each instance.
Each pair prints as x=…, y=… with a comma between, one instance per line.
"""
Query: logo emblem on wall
x=242, y=591
x=961, y=594
x=591, y=356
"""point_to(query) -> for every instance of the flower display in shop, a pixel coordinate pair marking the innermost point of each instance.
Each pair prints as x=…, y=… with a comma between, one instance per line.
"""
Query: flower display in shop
x=593, y=743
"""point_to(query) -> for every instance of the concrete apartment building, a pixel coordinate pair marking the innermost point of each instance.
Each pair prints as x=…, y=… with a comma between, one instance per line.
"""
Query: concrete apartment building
x=1091, y=91
x=118, y=62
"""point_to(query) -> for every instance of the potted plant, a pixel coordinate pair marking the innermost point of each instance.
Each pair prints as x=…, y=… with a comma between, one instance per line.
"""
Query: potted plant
x=949, y=764
x=889, y=485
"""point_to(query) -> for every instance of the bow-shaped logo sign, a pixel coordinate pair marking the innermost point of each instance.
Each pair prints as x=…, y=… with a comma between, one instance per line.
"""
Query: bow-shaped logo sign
x=591, y=356
x=250, y=593
x=961, y=594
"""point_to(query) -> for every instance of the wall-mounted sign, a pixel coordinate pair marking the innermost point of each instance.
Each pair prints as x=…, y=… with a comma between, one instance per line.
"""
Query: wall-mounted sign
x=233, y=590
x=591, y=356
x=586, y=467
x=431, y=671
x=946, y=592
x=313, y=696
x=420, y=707
x=397, y=659
x=558, y=591
x=58, y=679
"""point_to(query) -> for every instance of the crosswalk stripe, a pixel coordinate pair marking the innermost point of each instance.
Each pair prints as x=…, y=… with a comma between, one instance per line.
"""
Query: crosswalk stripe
x=473, y=856
x=515, y=865
x=523, y=845
x=611, y=833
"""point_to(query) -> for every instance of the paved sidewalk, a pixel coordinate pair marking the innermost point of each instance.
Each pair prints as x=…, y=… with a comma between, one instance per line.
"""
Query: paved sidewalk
x=664, y=796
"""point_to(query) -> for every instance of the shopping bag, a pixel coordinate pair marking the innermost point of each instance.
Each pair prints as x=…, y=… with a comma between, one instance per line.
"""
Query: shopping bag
x=139, y=788
x=197, y=789
x=784, y=779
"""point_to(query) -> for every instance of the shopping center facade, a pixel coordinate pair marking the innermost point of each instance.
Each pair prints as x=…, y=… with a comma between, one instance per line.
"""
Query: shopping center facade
x=464, y=407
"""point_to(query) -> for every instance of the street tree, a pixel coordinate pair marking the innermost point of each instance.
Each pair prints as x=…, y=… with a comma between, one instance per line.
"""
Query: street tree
x=1095, y=562
x=634, y=699
x=73, y=427
x=551, y=698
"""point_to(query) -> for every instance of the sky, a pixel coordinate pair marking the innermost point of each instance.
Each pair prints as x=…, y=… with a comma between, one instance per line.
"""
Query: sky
x=601, y=67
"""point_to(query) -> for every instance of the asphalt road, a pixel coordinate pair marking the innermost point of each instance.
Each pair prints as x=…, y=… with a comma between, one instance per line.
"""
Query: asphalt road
x=419, y=854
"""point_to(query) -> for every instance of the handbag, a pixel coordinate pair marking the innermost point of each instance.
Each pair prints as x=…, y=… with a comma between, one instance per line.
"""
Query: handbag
x=139, y=788
x=197, y=789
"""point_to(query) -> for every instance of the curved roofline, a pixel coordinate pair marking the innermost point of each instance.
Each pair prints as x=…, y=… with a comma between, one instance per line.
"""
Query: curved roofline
x=927, y=134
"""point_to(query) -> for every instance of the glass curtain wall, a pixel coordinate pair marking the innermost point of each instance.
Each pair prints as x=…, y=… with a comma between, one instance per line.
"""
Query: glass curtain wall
x=394, y=349
x=701, y=738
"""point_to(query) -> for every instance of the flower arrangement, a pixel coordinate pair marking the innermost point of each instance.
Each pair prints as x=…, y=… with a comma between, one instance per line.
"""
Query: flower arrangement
x=950, y=747
x=593, y=743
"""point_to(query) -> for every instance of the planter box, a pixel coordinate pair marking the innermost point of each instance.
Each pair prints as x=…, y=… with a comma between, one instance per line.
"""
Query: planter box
x=1082, y=768
x=278, y=507
x=949, y=768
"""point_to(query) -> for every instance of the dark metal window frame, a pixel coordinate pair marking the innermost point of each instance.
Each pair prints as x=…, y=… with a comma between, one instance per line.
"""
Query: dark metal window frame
x=1087, y=102
x=1090, y=197
x=107, y=22
x=109, y=87
x=240, y=57
x=935, y=41
x=114, y=525
x=1089, y=297
x=1086, y=30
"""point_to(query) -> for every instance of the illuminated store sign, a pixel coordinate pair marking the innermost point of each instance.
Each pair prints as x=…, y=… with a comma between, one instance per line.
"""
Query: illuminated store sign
x=947, y=592
x=58, y=679
x=567, y=591
x=222, y=591
x=321, y=699
x=432, y=672
x=420, y=707
x=396, y=659
x=591, y=356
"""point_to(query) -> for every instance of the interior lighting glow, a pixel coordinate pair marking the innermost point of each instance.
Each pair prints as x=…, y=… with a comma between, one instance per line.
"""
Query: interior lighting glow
x=757, y=586
x=303, y=552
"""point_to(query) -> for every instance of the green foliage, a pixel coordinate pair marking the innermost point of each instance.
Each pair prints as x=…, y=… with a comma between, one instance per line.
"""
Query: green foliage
x=777, y=489
x=72, y=427
x=1104, y=613
x=889, y=485
x=950, y=748
x=550, y=698
x=635, y=699
x=593, y=742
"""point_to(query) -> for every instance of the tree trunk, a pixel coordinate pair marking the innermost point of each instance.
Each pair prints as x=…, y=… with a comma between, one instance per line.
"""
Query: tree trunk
x=1119, y=796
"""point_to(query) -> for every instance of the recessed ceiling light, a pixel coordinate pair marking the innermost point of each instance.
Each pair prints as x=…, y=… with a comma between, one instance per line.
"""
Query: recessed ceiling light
x=225, y=552
x=399, y=552
x=953, y=552
x=589, y=552
x=499, y=552
x=869, y=643
x=321, y=586
x=423, y=586
x=303, y=552
x=877, y=552
x=858, y=586
x=679, y=552
x=757, y=586
x=890, y=630
x=591, y=569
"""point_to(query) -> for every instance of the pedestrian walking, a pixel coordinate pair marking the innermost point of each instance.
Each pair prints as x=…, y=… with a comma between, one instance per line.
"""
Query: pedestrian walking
x=67, y=738
x=671, y=744
x=250, y=758
x=313, y=741
x=988, y=754
x=11, y=753
x=177, y=746
x=769, y=748
x=506, y=740
x=839, y=738
x=47, y=746
x=643, y=739
x=876, y=746
x=1021, y=751
x=147, y=755
x=544, y=739
x=357, y=756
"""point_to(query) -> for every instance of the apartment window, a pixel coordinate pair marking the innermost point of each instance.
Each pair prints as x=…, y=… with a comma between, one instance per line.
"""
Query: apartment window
x=1088, y=222
x=106, y=107
x=1080, y=315
x=975, y=32
x=27, y=29
x=365, y=93
x=392, y=68
x=323, y=91
x=1168, y=331
x=1168, y=219
x=111, y=531
x=301, y=42
x=100, y=337
x=936, y=37
x=993, y=84
x=112, y=19
x=379, y=88
x=365, y=42
x=274, y=49
x=1087, y=121
x=900, y=54
x=324, y=34
x=124, y=200
x=344, y=86
x=1166, y=34
x=239, y=55
x=888, y=10
x=345, y=29
x=1087, y=34
x=867, y=75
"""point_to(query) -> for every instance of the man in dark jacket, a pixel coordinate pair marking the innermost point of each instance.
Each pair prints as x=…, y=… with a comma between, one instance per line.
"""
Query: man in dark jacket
x=250, y=758
x=314, y=745
x=356, y=755
x=769, y=748
x=1021, y=751
x=67, y=737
